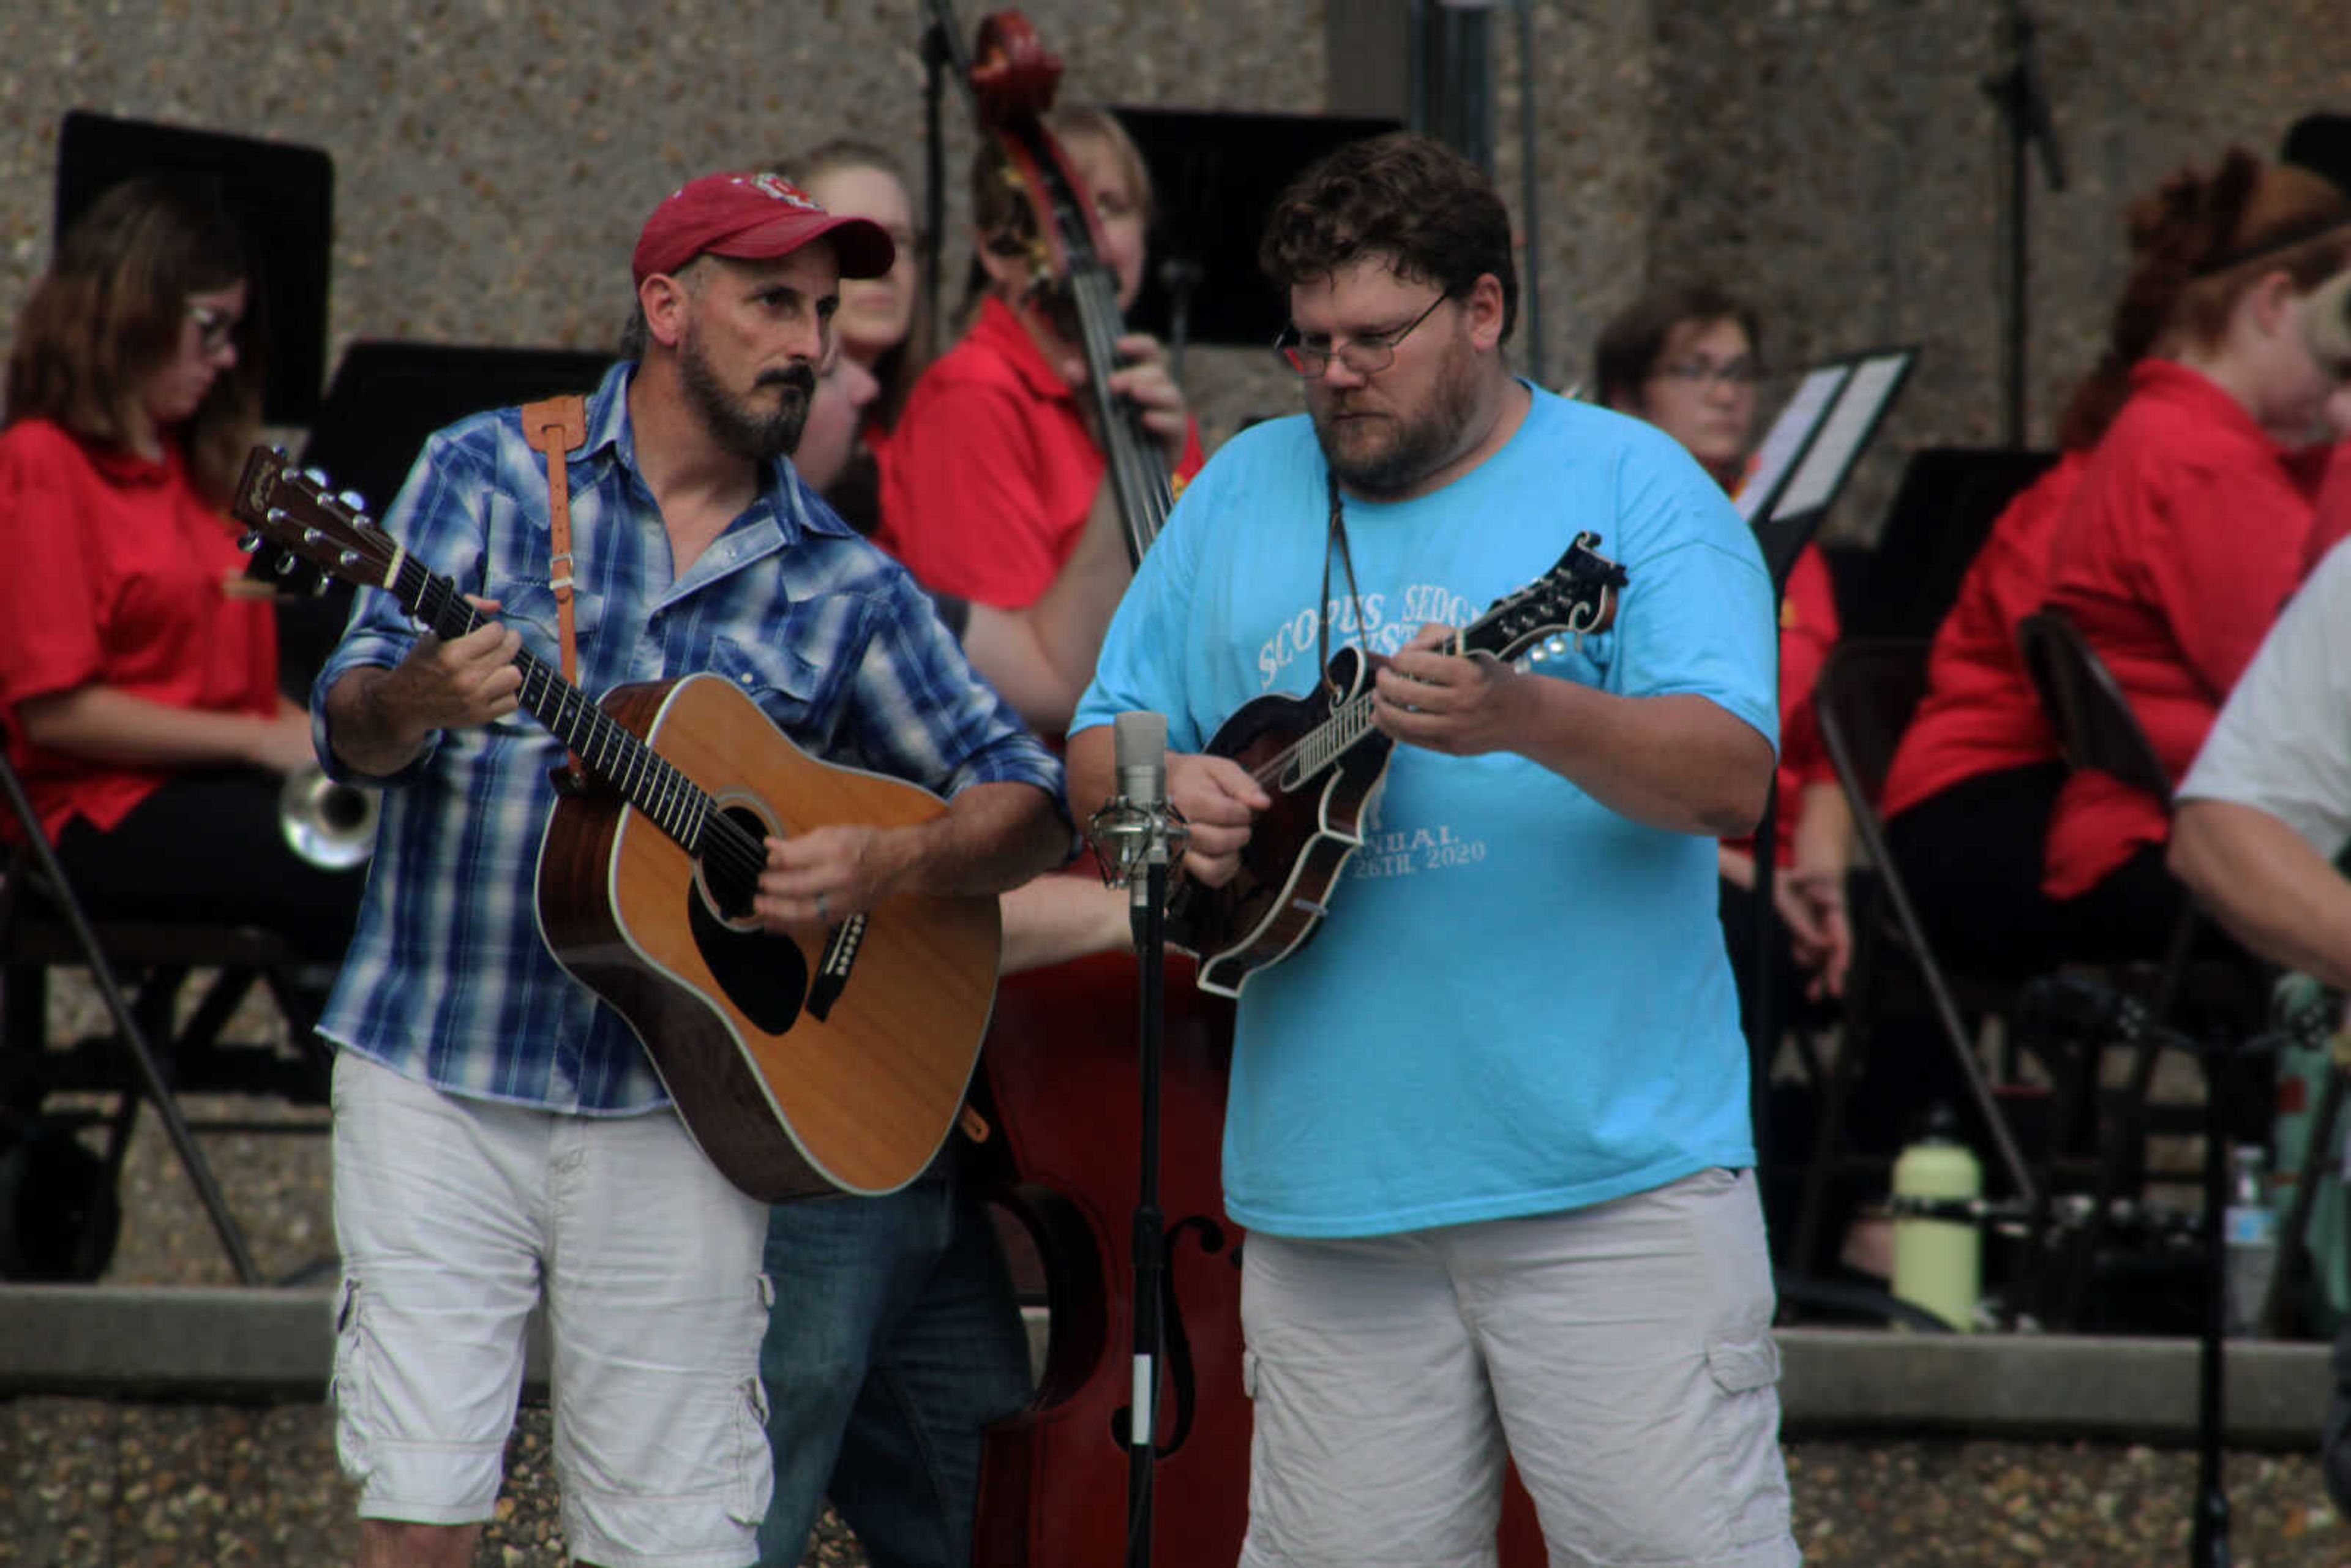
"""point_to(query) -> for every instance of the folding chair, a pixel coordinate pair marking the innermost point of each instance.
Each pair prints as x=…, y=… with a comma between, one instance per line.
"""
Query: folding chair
x=2098, y=732
x=44, y=926
x=1867, y=691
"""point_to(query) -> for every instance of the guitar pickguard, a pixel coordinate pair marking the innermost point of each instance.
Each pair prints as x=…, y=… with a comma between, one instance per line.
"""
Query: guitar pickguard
x=766, y=977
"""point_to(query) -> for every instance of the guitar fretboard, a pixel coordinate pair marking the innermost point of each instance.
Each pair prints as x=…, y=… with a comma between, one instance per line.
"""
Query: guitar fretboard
x=615, y=755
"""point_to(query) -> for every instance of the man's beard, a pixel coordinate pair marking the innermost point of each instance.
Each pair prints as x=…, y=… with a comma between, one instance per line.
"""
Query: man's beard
x=1417, y=442
x=761, y=437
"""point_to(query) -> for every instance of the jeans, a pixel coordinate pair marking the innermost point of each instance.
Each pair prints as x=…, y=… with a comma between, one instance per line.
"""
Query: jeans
x=894, y=1340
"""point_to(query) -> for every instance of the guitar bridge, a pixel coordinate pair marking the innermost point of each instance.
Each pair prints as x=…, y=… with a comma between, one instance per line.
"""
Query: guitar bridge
x=832, y=969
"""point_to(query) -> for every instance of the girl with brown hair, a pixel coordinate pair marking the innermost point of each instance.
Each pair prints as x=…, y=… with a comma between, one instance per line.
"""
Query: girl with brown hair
x=138, y=679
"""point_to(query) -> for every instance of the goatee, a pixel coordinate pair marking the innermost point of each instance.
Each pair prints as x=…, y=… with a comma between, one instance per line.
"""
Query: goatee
x=760, y=435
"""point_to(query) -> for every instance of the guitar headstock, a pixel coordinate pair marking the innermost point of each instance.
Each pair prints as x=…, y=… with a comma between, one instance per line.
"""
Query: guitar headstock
x=1577, y=595
x=293, y=510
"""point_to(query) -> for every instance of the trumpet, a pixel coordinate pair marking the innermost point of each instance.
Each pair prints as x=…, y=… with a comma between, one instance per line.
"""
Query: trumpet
x=328, y=824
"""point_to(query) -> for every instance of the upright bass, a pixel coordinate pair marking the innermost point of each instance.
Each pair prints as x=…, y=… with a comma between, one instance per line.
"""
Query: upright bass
x=1060, y=1057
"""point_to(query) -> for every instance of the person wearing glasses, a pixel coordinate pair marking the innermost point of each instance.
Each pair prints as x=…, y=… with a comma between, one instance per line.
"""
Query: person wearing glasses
x=993, y=470
x=1488, y=1132
x=1687, y=359
x=138, y=672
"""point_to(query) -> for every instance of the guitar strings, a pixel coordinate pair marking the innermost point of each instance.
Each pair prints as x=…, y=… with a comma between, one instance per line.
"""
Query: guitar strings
x=650, y=782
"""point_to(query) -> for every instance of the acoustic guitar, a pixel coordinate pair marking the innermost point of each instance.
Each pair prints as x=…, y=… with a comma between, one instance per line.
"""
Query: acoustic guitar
x=838, y=1067
x=1322, y=761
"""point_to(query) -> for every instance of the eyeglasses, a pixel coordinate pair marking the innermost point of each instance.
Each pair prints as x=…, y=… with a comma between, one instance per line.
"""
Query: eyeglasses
x=1309, y=355
x=1738, y=372
x=215, y=327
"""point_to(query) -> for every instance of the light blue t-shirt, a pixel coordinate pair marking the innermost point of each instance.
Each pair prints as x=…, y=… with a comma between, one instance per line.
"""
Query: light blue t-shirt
x=1520, y=1001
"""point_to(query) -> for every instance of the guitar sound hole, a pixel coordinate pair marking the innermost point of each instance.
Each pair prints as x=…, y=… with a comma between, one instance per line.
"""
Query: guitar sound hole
x=765, y=976
x=731, y=888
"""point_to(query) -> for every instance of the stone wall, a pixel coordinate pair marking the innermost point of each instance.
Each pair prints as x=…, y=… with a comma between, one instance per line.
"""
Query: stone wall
x=1837, y=159
x=1841, y=161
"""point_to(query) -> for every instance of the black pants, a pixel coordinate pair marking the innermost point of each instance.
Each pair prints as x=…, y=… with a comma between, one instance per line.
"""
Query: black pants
x=207, y=847
x=1971, y=857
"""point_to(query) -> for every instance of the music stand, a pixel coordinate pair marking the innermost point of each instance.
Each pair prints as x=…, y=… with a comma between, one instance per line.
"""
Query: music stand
x=1804, y=461
x=1942, y=510
x=387, y=398
x=280, y=195
x=1799, y=420
x=1215, y=175
x=1786, y=522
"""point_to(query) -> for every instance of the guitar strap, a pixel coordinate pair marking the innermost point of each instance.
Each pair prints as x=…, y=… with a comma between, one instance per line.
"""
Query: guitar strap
x=555, y=426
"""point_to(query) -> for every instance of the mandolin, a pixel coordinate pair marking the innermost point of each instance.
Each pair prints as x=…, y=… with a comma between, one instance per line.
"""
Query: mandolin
x=1322, y=761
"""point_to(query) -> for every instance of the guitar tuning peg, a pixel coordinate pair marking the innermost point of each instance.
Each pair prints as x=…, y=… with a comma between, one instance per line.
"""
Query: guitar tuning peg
x=350, y=558
x=317, y=478
x=319, y=586
x=284, y=565
x=248, y=541
x=353, y=500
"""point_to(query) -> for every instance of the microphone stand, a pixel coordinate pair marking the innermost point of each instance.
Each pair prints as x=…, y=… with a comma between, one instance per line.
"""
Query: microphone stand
x=1145, y=832
x=942, y=48
x=1149, y=916
x=2025, y=115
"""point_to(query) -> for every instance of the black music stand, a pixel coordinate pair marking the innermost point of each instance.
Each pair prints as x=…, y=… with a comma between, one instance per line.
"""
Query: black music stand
x=388, y=397
x=282, y=198
x=1941, y=513
x=1803, y=463
x=1215, y=175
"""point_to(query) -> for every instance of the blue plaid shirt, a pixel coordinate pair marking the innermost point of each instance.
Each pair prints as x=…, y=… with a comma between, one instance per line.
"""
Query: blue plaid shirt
x=447, y=978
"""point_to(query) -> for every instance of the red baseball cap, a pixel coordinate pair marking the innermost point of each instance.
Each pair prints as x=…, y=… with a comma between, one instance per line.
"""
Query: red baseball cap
x=753, y=217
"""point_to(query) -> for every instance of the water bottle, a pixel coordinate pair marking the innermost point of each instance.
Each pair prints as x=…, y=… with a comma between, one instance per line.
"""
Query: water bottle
x=1939, y=1262
x=2249, y=1234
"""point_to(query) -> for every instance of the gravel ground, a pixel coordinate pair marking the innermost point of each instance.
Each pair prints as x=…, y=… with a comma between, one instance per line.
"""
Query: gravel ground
x=85, y=1483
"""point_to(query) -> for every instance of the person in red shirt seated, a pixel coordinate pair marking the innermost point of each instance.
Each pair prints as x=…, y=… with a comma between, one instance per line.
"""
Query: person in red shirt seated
x=1974, y=786
x=1686, y=360
x=994, y=470
x=2189, y=528
x=139, y=673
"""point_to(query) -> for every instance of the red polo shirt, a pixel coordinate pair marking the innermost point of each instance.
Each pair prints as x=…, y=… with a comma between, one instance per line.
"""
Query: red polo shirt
x=2186, y=535
x=1808, y=630
x=987, y=477
x=1979, y=714
x=114, y=572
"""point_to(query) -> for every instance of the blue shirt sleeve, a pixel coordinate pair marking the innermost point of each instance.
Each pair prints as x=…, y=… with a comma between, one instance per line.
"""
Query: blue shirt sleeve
x=436, y=519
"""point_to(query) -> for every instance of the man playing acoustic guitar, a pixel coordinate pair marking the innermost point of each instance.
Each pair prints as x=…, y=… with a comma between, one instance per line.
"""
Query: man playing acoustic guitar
x=1488, y=1130
x=498, y=1132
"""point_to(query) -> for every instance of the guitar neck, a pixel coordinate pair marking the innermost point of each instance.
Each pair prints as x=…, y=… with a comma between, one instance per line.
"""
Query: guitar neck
x=1350, y=721
x=615, y=755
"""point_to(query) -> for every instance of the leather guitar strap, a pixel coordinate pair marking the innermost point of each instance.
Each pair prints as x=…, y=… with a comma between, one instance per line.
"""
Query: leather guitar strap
x=555, y=426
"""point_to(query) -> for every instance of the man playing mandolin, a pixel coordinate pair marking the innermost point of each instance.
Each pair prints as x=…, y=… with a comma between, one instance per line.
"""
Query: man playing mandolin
x=498, y=1131
x=1488, y=1130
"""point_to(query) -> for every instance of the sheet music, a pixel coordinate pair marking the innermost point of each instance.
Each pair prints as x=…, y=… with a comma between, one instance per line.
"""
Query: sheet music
x=1864, y=396
x=1785, y=441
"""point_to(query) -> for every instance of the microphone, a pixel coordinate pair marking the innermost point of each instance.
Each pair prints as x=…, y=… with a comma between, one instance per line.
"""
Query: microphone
x=1136, y=827
x=1139, y=742
x=2326, y=323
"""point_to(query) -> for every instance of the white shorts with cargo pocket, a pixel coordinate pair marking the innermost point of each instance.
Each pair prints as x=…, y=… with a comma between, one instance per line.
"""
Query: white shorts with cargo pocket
x=453, y=1216
x=1622, y=1354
